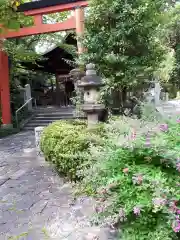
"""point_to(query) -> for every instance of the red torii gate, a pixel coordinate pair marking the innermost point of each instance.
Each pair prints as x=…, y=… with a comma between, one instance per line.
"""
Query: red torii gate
x=37, y=10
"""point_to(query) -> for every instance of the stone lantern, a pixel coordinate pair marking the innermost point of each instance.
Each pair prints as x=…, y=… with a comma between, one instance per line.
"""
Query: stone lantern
x=91, y=84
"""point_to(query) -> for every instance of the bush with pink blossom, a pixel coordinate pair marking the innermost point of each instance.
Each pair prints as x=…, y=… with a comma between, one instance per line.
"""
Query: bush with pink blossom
x=136, y=183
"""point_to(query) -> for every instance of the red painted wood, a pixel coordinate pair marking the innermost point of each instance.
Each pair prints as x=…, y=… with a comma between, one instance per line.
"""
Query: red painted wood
x=5, y=89
x=79, y=15
x=58, y=8
x=37, y=20
x=40, y=29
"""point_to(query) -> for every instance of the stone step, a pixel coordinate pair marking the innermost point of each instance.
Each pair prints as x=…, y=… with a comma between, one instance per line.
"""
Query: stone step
x=54, y=114
x=37, y=124
x=53, y=118
x=46, y=120
x=42, y=122
x=59, y=110
x=46, y=115
x=28, y=129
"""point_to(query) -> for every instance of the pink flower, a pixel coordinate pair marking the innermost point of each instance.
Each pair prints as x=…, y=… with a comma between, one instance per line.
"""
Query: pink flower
x=99, y=209
x=176, y=226
x=178, y=120
x=159, y=202
x=137, y=211
x=178, y=211
x=173, y=207
x=148, y=140
x=133, y=135
x=163, y=127
x=125, y=170
x=147, y=143
x=178, y=166
x=122, y=215
x=102, y=191
x=137, y=179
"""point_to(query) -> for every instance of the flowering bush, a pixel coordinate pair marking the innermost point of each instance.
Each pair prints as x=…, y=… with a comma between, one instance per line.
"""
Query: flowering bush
x=136, y=182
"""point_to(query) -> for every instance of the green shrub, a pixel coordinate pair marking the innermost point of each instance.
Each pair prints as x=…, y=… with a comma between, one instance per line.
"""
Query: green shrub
x=6, y=132
x=136, y=181
x=66, y=144
x=149, y=112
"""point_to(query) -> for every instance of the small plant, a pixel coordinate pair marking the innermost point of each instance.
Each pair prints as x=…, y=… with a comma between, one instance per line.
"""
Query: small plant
x=46, y=234
x=22, y=235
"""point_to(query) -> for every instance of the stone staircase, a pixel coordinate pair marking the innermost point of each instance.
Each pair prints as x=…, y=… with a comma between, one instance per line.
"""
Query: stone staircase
x=45, y=116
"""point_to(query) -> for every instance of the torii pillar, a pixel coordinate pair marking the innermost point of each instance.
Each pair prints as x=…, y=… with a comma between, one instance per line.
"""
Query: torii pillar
x=5, y=89
x=79, y=16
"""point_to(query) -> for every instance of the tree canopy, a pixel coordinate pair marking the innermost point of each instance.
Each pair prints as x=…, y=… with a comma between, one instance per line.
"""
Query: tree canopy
x=126, y=39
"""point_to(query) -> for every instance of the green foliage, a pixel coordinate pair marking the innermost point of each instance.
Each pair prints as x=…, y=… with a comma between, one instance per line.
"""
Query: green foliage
x=8, y=8
x=149, y=113
x=6, y=132
x=122, y=39
x=166, y=67
x=174, y=38
x=135, y=179
x=66, y=144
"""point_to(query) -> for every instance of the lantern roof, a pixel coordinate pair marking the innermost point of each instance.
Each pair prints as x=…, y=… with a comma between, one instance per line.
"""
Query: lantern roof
x=91, y=80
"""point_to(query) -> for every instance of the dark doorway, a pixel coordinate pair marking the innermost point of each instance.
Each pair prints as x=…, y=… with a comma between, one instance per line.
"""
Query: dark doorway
x=64, y=91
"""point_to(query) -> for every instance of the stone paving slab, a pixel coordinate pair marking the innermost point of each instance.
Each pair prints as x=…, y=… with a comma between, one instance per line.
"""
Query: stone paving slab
x=35, y=203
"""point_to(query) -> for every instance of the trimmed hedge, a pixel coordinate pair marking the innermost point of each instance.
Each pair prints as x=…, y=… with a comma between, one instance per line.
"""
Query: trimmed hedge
x=66, y=144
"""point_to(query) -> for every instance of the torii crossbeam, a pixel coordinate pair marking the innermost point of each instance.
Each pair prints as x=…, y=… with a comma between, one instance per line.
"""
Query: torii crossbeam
x=37, y=9
x=43, y=7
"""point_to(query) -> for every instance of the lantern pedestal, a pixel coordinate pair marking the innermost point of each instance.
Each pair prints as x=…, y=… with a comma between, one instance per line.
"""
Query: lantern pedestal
x=93, y=112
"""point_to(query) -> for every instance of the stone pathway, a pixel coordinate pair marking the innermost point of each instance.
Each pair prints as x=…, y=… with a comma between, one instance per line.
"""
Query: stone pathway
x=35, y=204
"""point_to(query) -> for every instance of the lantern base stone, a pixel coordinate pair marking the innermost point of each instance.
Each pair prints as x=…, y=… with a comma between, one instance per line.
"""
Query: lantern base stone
x=93, y=108
x=93, y=111
x=92, y=120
